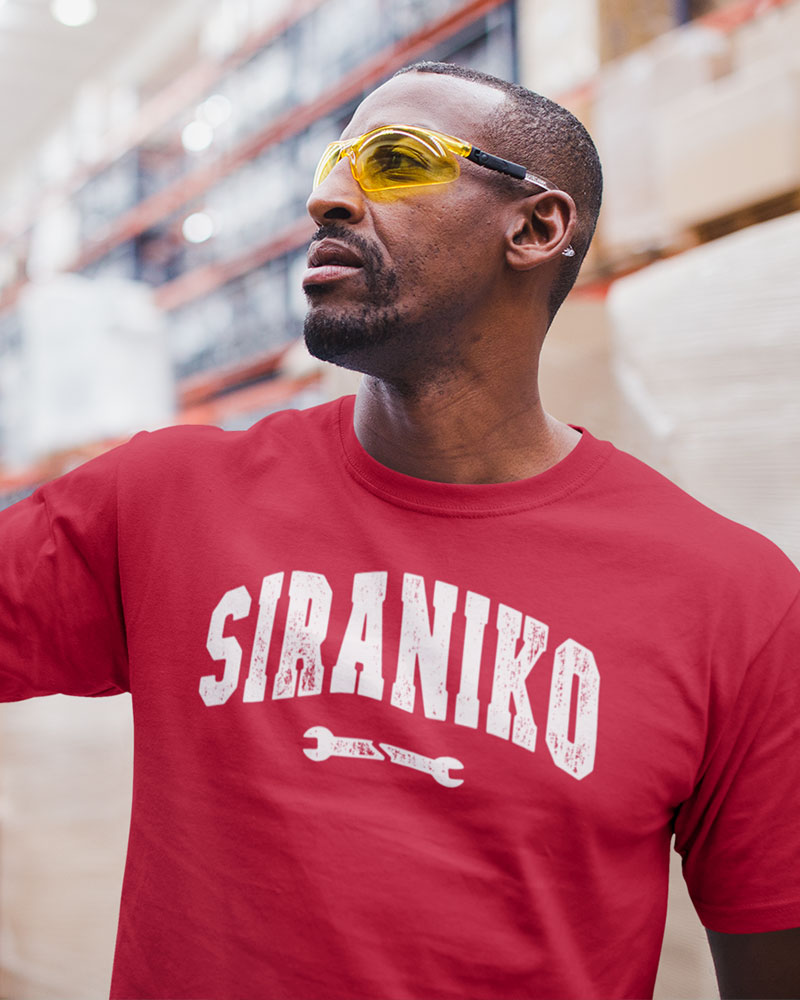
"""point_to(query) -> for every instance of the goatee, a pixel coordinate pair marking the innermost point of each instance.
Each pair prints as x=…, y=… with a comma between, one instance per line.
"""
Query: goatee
x=340, y=336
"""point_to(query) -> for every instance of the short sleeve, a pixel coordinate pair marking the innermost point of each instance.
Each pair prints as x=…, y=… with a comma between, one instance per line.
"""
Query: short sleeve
x=739, y=833
x=62, y=626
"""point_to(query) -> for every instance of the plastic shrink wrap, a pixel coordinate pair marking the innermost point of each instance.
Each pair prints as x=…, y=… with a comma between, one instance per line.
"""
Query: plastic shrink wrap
x=94, y=365
x=707, y=351
x=629, y=98
x=730, y=144
x=65, y=796
x=772, y=36
x=559, y=45
x=625, y=26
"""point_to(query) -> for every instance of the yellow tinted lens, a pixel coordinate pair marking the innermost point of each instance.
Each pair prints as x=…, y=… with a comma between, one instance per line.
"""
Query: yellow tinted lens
x=327, y=162
x=397, y=159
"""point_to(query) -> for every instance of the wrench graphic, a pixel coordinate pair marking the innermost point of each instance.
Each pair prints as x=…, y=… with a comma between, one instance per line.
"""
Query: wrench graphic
x=329, y=745
x=438, y=767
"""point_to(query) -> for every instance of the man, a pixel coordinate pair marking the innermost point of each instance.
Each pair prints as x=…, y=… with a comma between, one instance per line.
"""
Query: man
x=424, y=683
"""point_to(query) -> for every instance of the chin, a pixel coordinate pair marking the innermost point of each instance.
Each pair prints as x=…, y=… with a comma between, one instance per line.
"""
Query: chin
x=348, y=340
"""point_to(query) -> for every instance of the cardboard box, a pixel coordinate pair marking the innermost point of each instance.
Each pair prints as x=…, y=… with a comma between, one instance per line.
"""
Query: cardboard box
x=731, y=144
x=626, y=26
x=558, y=44
x=773, y=35
x=630, y=96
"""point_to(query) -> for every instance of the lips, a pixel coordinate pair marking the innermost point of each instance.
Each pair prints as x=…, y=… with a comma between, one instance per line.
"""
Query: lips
x=329, y=262
x=331, y=252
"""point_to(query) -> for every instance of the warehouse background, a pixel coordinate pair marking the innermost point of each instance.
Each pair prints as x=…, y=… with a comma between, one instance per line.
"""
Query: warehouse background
x=153, y=177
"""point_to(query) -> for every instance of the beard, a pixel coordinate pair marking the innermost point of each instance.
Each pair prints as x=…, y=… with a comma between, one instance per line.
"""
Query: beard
x=343, y=336
x=375, y=337
x=345, y=339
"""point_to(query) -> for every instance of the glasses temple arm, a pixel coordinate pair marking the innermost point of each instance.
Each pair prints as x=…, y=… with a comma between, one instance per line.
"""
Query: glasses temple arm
x=507, y=167
x=513, y=170
x=496, y=163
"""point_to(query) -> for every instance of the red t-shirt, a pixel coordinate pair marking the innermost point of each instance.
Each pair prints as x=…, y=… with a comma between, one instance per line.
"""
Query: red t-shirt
x=399, y=739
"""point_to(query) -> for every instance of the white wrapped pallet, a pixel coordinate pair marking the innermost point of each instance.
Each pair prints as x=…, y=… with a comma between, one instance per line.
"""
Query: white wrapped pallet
x=707, y=350
x=65, y=802
x=559, y=44
x=12, y=406
x=630, y=93
x=733, y=143
x=95, y=363
x=773, y=35
x=55, y=238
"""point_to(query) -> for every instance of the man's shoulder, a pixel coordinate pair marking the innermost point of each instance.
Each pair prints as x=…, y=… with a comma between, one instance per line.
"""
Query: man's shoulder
x=187, y=443
x=667, y=517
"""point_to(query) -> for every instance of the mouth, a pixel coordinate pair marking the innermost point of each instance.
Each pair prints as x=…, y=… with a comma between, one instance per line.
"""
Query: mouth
x=330, y=261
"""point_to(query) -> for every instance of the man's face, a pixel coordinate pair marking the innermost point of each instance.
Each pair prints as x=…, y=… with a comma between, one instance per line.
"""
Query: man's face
x=400, y=278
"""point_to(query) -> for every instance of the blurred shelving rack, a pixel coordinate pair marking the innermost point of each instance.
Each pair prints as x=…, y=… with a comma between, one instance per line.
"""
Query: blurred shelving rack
x=234, y=302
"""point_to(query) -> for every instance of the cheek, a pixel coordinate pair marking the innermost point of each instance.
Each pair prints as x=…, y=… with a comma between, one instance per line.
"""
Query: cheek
x=436, y=245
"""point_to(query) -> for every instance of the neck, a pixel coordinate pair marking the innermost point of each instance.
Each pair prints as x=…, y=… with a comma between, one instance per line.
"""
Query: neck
x=461, y=434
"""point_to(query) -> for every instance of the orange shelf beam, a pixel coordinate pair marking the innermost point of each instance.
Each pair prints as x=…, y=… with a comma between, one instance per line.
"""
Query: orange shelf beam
x=198, y=405
x=201, y=280
x=265, y=395
x=164, y=203
x=199, y=389
x=737, y=13
x=175, y=98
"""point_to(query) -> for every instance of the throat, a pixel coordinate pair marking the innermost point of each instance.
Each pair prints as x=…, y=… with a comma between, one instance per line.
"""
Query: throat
x=459, y=440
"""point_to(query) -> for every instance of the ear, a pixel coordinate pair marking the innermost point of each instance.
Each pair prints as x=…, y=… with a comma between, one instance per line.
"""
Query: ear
x=541, y=229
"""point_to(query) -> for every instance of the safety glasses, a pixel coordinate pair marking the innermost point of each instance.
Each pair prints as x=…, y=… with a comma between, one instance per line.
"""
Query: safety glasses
x=397, y=157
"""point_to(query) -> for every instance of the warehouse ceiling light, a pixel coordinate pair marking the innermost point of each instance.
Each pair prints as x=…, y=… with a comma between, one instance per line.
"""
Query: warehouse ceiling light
x=197, y=227
x=197, y=136
x=73, y=13
x=216, y=110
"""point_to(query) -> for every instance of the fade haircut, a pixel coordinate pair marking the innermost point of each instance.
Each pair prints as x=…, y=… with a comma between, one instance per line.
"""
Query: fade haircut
x=549, y=140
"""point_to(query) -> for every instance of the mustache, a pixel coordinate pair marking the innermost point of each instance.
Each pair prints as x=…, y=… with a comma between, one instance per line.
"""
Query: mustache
x=373, y=260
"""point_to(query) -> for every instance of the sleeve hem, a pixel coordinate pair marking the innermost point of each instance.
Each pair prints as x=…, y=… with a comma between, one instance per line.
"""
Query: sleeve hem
x=749, y=920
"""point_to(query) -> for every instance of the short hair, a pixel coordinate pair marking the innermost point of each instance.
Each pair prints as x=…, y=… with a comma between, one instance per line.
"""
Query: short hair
x=549, y=140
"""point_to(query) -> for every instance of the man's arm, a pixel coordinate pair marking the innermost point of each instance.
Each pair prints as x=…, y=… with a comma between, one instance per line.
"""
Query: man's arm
x=62, y=621
x=763, y=966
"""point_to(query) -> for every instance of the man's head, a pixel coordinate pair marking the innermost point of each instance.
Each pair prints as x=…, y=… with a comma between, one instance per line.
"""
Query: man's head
x=537, y=132
x=439, y=265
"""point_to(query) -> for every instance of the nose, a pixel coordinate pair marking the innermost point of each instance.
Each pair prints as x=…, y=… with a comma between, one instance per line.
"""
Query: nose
x=338, y=197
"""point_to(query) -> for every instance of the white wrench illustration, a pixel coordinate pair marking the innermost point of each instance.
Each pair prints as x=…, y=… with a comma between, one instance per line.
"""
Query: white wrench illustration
x=329, y=745
x=438, y=767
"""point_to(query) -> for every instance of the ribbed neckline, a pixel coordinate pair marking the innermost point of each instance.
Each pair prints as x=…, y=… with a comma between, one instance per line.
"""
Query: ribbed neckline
x=468, y=499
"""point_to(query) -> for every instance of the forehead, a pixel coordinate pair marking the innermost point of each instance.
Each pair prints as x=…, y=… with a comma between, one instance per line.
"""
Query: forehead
x=445, y=103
